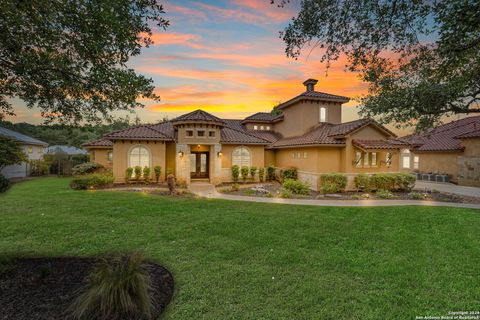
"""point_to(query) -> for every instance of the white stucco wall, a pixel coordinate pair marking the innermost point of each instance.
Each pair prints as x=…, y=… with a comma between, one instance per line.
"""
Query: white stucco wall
x=21, y=170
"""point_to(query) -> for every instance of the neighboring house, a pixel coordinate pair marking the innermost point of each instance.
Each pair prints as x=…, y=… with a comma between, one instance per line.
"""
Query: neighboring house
x=68, y=150
x=33, y=148
x=452, y=149
x=308, y=135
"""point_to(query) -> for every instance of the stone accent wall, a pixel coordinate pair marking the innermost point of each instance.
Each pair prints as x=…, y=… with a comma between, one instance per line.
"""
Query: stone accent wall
x=469, y=171
x=182, y=165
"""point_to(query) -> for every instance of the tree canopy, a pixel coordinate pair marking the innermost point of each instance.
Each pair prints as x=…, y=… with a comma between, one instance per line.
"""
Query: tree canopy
x=69, y=57
x=11, y=152
x=421, y=58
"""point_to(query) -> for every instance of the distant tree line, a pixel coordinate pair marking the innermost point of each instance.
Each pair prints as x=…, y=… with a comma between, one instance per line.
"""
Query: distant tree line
x=71, y=135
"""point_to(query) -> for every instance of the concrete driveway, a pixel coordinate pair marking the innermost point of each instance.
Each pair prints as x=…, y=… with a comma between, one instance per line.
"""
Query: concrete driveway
x=448, y=188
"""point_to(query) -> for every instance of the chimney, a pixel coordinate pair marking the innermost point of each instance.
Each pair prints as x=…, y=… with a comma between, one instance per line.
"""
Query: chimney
x=310, y=84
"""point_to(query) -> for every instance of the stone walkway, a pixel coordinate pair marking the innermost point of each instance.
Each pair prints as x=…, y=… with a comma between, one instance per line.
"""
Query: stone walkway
x=207, y=190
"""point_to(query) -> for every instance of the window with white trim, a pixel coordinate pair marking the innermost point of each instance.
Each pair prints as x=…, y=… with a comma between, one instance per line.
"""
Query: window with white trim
x=406, y=159
x=365, y=159
x=241, y=156
x=268, y=127
x=323, y=114
x=255, y=127
x=416, y=162
x=374, y=159
x=139, y=156
x=110, y=156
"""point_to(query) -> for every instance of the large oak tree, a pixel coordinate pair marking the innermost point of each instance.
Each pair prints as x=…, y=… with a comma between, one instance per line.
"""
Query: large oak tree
x=68, y=57
x=421, y=58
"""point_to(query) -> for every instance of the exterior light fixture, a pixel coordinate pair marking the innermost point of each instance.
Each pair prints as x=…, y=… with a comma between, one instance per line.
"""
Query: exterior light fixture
x=219, y=154
x=180, y=154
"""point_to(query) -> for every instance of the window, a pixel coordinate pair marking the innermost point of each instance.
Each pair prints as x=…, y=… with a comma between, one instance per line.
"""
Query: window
x=406, y=159
x=323, y=114
x=30, y=149
x=374, y=159
x=294, y=155
x=388, y=159
x=211, y=134
x=268, y=127
x=241, y=157
x=262, y=128
x=110, y=156
x=416, y=162
x=366, y=162
x=358, y=159
x=189, y=133
x=201, y=133
x=92, y=155
x=255, y=127
x=304, y=155
x=139, y=156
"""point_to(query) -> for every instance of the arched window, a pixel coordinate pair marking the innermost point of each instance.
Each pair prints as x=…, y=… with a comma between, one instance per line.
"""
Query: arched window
x=139, y=156
x=241, y=157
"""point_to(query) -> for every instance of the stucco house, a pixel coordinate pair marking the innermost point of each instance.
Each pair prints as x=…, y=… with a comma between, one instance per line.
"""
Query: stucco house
x=308, y=135
x=452, y=149
x=33, y=148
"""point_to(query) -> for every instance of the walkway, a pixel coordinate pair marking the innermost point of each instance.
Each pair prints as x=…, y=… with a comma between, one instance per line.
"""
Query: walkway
x=207, y=190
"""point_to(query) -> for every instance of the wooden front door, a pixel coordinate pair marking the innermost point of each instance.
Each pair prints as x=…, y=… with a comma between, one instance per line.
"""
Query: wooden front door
x=199, y=164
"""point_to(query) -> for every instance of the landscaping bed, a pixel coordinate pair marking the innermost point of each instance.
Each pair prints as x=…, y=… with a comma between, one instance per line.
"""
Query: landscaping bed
x=44, y=288
x=274, y=190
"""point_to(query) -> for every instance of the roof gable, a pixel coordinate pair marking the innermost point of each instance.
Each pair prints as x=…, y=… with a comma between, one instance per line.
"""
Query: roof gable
x=17, y=136
x=198, y=115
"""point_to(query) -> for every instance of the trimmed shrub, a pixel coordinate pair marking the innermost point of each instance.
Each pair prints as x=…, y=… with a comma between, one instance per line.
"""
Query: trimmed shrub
x=4, y=183
x=39, y=167
x=86, y=168
x=128, y=174
x=405, y=181
x=383, y=181
x=328, y=187
x=146, y=174
x=91, y=181
x=157, y=170
x=385, y=194
x=271, y=173
x=169, y=171
x=296, y=186
x=118, y=288
x=362, y=182
x=138, y=172
x=244, y=171
x=290, y=173
x=171, y=183
x=261, y=174
x=234, y=187
x=235, y=173
x=333, y=182
x=253, y=172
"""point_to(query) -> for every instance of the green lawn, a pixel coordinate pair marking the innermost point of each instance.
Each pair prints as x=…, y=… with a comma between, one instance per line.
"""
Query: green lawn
x=235, y=260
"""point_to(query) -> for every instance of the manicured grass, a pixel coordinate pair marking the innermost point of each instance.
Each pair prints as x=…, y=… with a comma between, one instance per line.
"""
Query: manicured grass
x=234, y=260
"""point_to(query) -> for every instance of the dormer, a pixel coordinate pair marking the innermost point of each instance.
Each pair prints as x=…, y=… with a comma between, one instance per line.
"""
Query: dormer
x=198, y=127
x=261, y=121
x=309, y=109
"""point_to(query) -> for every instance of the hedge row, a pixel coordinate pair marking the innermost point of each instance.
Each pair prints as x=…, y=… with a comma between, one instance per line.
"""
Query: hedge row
x=385, y=181
x=333, y=182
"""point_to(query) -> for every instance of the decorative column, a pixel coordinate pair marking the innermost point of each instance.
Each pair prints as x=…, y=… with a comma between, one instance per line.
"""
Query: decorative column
x=215, y=164
x=182, y=163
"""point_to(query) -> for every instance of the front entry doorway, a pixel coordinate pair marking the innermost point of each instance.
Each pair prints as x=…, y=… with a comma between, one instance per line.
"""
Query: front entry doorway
x=199, y=163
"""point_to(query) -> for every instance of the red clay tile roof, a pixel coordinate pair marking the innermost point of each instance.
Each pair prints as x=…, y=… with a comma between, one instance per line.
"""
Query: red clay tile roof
x=198, y=115
x=314, y=95
x=444, y=137
x=98, y=143
x=469, y=135
x=263, y=117
x=327, y=133
x=379, y=144
x=231, y=135
x=142, y=132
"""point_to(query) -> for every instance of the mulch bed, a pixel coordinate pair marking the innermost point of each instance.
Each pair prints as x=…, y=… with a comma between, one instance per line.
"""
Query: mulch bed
x=44, y=288
x=275, y=187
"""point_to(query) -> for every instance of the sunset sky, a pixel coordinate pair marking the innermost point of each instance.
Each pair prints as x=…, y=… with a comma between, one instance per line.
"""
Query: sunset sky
x=226, y=57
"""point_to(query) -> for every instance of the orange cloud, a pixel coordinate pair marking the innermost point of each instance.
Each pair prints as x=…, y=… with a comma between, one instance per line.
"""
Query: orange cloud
x=265, y=8
x=184, y=39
